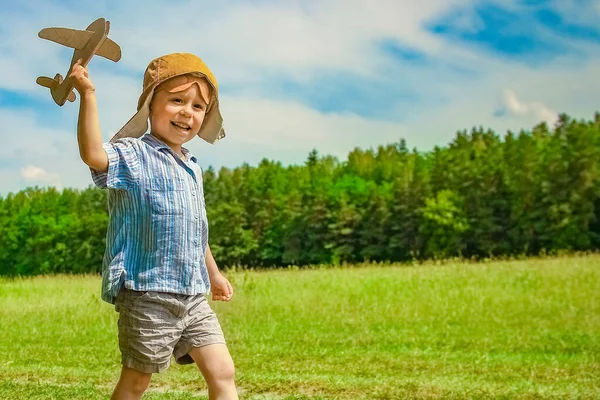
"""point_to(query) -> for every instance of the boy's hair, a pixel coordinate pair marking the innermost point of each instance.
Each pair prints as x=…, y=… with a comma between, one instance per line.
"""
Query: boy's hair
x=162, y=69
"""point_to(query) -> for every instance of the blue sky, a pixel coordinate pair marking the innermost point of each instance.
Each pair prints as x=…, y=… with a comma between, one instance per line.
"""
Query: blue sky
x=297, y=75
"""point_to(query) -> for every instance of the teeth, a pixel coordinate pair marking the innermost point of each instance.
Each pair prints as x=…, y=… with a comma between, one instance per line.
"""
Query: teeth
x=180, y=125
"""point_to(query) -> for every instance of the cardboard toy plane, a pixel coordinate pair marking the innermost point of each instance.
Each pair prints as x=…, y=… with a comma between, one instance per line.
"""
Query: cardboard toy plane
x=86, y=43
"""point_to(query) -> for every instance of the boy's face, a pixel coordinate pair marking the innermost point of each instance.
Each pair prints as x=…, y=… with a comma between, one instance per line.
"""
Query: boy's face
x=177, y=110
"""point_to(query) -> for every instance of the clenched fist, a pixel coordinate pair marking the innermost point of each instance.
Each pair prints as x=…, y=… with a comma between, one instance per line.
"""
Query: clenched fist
x=81, y=79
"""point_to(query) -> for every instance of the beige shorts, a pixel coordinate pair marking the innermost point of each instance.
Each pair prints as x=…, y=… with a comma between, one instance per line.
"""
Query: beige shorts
x=154, y=326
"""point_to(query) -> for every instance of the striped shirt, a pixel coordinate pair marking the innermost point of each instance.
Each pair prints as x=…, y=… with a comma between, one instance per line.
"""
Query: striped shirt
x=157, y=231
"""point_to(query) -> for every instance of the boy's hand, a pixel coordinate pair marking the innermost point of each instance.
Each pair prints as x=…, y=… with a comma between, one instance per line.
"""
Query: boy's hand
x=81, y=79
x=221, y=289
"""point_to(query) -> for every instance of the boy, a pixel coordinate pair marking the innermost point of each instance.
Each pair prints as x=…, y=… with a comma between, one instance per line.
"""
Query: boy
x=157, y=265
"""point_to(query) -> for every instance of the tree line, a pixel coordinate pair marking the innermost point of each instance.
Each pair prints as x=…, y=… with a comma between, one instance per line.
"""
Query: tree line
x=483, y=195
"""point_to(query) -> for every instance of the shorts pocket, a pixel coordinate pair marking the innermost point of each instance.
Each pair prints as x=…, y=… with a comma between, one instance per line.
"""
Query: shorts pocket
x=140, y=296
x=146, y=310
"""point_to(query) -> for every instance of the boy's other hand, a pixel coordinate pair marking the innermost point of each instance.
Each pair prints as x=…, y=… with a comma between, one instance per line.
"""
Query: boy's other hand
x=81, y=79
x=221, y=289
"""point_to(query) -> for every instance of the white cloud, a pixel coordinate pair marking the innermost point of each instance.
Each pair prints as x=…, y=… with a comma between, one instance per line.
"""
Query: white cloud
x=289, y=131
x=531, y=108
x=580, y=14
x=242, y=40
x=29, y=144
x=35, y=175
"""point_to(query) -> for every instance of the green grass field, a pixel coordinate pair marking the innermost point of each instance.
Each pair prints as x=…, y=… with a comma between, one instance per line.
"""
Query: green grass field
x=523, y=329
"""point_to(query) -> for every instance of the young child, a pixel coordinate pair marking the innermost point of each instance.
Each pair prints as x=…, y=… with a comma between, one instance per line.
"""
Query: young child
x=158, y=266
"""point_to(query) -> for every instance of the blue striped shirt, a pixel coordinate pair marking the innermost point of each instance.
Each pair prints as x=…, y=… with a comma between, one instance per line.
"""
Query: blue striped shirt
x=157, y=231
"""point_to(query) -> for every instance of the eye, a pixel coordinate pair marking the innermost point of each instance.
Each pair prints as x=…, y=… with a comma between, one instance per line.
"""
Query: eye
x=199, y=107
x=176, y=100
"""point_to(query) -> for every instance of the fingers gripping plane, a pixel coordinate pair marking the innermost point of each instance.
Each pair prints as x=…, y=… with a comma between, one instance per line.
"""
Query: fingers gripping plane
x=86, y=43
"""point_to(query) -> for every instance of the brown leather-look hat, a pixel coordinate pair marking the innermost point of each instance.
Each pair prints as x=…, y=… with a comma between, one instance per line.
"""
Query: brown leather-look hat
x=160, y=70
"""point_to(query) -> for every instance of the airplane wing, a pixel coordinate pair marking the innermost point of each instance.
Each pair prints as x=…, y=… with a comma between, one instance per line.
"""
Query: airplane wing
x=77, y=39
x=110, y=50
x=73, y=38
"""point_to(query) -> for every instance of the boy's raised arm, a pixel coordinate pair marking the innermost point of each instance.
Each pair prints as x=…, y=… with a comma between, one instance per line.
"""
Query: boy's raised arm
x=88, y=125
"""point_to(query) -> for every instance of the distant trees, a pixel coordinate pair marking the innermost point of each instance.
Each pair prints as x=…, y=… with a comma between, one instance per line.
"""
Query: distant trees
x=482, y=195
x=43, y=231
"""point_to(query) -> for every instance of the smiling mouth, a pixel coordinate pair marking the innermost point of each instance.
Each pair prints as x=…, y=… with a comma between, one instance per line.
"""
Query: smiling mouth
x=180, y=126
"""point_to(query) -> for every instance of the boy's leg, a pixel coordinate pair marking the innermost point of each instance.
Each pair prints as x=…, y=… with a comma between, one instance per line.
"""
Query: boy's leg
x=217, y=368
x=148, y=332
x=132, y=385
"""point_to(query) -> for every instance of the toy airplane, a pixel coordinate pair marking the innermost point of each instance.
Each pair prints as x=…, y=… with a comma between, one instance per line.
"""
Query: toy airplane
x=86, y=43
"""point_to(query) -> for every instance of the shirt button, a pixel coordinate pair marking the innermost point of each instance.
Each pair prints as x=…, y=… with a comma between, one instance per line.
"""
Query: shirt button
x=196, y=216
x=193, y=193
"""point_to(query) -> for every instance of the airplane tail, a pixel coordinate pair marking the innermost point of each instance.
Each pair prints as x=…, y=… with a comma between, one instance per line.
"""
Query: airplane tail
x=53, y=85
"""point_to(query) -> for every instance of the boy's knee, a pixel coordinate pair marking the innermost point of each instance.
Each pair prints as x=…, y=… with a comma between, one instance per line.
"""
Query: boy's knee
x=215, y=363
x=222, y=370
x=140, y=384
x=228, y=372
x=134, y=382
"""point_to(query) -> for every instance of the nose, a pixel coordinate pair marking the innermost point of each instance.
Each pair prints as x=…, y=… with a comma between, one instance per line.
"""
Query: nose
x=186, y=110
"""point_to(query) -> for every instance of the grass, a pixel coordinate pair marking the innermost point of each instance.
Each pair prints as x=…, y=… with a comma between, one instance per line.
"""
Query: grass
x=523, y=329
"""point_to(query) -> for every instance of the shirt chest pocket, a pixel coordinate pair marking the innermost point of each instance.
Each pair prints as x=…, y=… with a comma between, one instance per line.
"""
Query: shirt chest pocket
x=167, y=196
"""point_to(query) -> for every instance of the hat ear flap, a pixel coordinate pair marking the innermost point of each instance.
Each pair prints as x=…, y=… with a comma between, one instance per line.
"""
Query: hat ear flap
x=138, y=124
x=212, y=129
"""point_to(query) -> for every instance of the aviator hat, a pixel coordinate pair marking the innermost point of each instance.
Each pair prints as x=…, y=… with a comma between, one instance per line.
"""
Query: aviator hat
x=160, y=70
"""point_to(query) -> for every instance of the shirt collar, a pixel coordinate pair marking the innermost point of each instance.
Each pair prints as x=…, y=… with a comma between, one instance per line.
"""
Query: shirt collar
x=158, y=144
x=188, y=155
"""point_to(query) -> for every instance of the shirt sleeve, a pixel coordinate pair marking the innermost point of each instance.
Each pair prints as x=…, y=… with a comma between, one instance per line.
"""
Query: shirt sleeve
x=123, y=165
